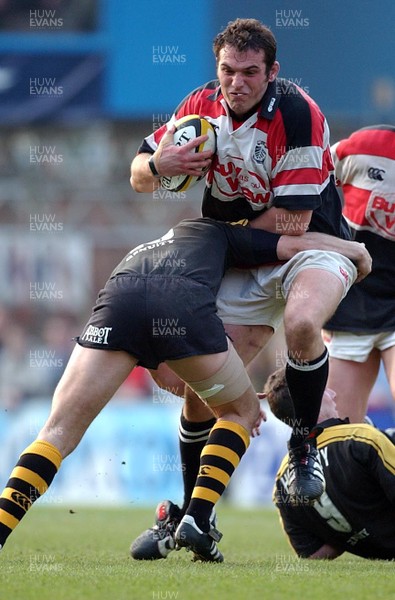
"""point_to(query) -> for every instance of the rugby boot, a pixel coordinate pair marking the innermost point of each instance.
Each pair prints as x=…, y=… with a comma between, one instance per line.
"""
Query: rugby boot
x=203, y=545
x=306, y=476
x=158, y=541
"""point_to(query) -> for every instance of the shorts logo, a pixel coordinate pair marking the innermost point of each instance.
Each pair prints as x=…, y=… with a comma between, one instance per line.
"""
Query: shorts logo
x=97, y=335
x=260, y=152
x=344, y=273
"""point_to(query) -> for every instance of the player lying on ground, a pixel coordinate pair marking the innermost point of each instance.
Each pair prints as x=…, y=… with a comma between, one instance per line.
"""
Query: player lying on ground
x=144, y=289
x=356, y=512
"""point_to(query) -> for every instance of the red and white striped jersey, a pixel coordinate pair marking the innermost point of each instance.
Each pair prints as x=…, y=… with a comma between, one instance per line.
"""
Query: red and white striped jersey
x=365, y=168
x=277, y=156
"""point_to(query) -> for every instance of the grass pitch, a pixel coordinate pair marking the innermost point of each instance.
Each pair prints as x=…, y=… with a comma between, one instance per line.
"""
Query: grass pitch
x=56, y=554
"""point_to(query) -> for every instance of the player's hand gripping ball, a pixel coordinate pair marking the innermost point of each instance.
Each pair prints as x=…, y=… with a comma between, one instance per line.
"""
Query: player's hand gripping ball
x=188, y=128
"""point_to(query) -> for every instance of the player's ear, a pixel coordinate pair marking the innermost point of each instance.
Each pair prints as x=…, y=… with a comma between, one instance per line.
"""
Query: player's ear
x=274, y=71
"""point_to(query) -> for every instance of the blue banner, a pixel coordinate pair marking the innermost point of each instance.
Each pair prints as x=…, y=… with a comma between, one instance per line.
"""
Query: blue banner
x=130, y=456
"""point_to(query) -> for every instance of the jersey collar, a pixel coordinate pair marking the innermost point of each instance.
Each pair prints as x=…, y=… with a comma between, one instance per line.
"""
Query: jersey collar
x=332, y=422
x=270, y=101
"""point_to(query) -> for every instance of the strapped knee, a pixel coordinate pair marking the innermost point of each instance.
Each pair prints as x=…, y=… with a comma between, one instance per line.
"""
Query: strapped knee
x=226, y=385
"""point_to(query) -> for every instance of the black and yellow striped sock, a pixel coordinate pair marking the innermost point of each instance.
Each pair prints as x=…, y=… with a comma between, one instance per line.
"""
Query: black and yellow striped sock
x=192, y=438
x=221, y=455
x=31, y=477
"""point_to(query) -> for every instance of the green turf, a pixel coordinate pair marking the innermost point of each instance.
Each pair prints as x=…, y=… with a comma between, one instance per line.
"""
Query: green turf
x=58, y=555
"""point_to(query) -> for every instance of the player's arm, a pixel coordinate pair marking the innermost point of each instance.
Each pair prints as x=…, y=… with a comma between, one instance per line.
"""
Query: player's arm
x=305, y=543
x=301, y=167
x=326, y=552
x=251, y=247
x=283, y=221
x=288, y=246
x=377, y=453
x=168, y=159
x=142, y=178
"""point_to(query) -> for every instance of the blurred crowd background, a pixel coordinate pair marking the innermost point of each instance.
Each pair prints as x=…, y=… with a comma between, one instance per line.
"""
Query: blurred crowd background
x=81, y=83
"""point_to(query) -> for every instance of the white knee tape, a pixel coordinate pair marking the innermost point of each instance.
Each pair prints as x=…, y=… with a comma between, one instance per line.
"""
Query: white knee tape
x=228, y=383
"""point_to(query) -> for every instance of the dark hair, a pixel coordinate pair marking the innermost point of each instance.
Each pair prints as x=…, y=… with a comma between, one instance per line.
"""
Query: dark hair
x=278, y=396
x=247, y=34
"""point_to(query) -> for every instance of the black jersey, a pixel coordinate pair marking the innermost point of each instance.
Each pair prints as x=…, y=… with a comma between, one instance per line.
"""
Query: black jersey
x=356, y=513
x=160, y=301
x=201, y=249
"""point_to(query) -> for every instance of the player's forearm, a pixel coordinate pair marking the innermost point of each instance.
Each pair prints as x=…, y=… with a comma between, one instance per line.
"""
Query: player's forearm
x=288, y=246
x=326, y=552
x=282, y=221
x=142, y=178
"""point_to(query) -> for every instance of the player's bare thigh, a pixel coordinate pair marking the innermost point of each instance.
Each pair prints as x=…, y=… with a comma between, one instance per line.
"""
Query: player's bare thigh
x=353, y=381
x=90, y=380
x=237, y=400
x=388, y=357
x=248, y=341
x=311, y=301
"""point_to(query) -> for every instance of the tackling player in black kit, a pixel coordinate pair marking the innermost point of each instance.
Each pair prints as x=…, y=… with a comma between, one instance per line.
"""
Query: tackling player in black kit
x=159, y=304
x=148, y=290
x=356, y=512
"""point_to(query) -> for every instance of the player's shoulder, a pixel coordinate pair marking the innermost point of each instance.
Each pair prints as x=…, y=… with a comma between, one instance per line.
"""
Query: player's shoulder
x=206, y=93
x=293, y=99
x=374, y=140
x=210, y=88
x=352, y=432
x=297, y=115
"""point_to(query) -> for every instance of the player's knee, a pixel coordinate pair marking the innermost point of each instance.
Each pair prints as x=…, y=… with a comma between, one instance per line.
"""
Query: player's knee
x=229, y=383
x=167, y=380
x=248, y=340
x=301, y=329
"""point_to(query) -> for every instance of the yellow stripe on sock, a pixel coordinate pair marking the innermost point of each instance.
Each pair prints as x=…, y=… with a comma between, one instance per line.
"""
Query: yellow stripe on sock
x=223, y=452
x=236, y=428
x=45, y=449
x=8, y=519
x=31, y=478
x=206, y=494
x=215, y=473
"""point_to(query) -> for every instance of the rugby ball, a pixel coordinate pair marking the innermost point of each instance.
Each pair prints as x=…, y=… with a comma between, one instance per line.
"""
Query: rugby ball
x=187, y=129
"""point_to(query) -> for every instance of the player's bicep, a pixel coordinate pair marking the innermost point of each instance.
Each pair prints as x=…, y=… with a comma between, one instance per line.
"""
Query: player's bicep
x=381, y=463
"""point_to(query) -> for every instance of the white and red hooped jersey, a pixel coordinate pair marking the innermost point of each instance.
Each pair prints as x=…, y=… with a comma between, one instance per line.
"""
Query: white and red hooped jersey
x=365, y=168
x=277, y=156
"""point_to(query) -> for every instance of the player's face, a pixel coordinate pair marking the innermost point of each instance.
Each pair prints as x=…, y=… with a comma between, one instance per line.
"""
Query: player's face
x=243, y=77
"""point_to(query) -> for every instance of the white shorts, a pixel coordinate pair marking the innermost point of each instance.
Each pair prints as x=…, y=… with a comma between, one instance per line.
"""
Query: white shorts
x=258, y=296
x=356, y=346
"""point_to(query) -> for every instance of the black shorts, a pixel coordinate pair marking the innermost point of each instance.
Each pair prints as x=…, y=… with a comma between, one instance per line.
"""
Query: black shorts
x=155, y=318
